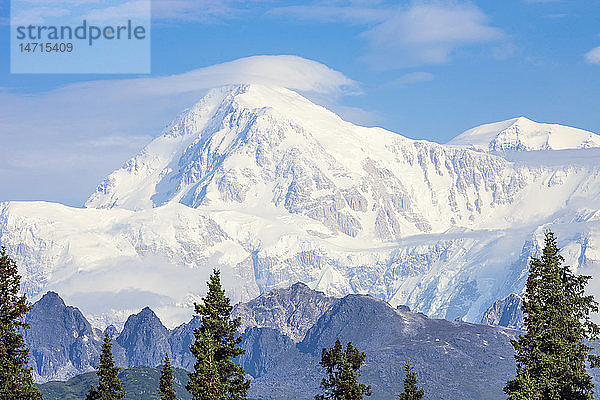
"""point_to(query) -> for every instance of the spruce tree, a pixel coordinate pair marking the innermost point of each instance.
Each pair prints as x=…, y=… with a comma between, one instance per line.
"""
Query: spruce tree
x=92, y=394
x=109, y=385
x=16, y=382
x=165, y=389
x=342, y=369
x=215, y=375
x=411, y=390
x=551, y=357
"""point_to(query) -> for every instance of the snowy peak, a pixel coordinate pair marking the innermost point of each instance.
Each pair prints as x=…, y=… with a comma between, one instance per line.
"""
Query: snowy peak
x=231, y=123
x=272, y=151
x=522, y=134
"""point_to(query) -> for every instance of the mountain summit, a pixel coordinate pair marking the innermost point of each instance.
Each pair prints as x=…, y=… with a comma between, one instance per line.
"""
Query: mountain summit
x=522, y=134
x=273, y=151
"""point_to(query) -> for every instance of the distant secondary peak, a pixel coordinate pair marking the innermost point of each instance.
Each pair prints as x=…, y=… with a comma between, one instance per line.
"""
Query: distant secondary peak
x=523, y=134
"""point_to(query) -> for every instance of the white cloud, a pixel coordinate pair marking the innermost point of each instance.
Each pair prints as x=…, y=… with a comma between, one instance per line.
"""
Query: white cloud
x=427, y=34
x=593, y=56
x=59, y=144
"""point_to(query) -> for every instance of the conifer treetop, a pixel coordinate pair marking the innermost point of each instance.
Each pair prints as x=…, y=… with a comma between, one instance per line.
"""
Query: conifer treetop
x=411, y=390
x=109, y=385
x=166, y=390
x=16, y=381
x=215, y=375
x=552, y=355
x=342, y=368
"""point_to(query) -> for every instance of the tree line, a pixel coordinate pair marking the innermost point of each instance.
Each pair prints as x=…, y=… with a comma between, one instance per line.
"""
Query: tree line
x=551, y=355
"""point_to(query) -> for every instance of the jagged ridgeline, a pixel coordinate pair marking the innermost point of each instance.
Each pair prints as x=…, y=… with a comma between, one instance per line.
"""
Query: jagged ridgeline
x=273, y=189
x=284, y=332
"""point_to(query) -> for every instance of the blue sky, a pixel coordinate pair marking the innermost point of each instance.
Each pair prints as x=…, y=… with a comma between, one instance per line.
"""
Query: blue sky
x=425, y=69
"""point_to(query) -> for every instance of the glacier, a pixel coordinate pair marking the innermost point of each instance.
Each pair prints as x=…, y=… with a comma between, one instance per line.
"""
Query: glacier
x=272, y=189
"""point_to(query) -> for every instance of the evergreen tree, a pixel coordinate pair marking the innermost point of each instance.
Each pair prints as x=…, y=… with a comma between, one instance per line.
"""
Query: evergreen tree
x=165, y=389
x=411, y=390
x=109, y=385
x=551, y=356
x=215, y=375
x=342, y=369
x=92, y=394
x=16, y=382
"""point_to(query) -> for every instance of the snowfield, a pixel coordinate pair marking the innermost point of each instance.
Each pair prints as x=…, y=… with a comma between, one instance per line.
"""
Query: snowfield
x=273, y=189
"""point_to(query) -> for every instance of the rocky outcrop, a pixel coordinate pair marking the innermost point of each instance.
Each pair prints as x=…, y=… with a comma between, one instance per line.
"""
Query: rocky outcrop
x=265, y=347
x=291, y=311
x=181, y=339
x=62, y=342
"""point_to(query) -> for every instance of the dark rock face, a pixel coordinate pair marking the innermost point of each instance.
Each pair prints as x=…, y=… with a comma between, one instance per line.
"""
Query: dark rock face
x=265, y=347
x=62, y=341
x=181, y=339
x=291, y=311
x=145, y=339
x=505, y=312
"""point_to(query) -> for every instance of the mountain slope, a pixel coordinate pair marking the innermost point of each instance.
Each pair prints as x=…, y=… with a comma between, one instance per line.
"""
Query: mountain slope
x=272, y=189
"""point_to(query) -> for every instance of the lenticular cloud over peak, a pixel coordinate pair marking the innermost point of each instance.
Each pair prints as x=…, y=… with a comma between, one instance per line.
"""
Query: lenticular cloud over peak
x=71, y=121
x=287, y=71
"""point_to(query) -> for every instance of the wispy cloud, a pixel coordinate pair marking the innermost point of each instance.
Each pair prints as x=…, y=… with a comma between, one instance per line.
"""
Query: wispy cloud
x=169, y=11
x=132, y=9
x=556, y=16
x=354, y=14
x=63, y=142
x=200, y=10
x=427, y=34
x=413, y=77
x=37, y=15
x=162, y=11
x=593, y=56
x=422, y=33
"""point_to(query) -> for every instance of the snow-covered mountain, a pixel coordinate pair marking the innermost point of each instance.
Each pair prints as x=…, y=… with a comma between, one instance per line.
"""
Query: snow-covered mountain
x=522, y=134
x=273, y=189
